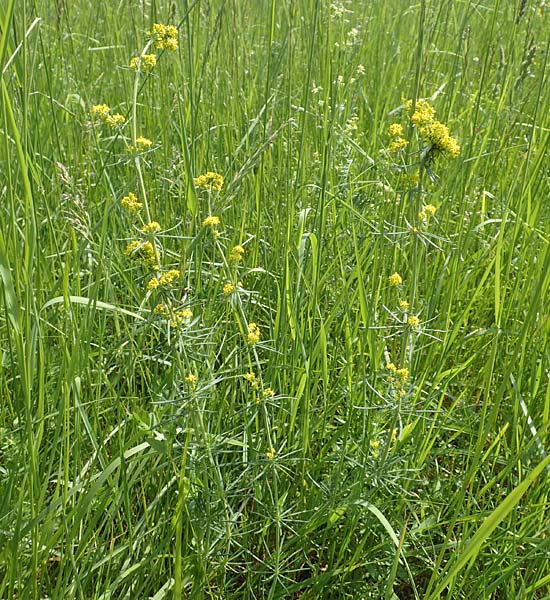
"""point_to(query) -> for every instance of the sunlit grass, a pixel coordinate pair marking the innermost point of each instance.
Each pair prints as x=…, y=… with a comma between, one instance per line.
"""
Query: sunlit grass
x=266, y=331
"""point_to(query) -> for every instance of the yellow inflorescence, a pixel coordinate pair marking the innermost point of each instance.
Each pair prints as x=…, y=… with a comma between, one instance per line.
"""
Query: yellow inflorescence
x=131, y=204
x=430, y=209
x=228, y=288
x=236, y=254
x=177, y=318
x=146, y=62
x=404, y=305
x=395, y=279
x=434, y=133
x=268, y=393
x=152, y=227
x=165, y=37
x=143, y=253
x=164, y=280
x=395, y=130
x=398, y=144
x=209, y=181
x=211, y=221
x=142, y=144
x=413, y=322
x=253, y=336
x=252, y=380
x=103, y=112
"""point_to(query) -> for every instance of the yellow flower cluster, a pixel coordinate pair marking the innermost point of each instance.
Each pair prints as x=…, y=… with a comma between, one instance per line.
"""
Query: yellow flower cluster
x=434, y=133
x=228, y=288
x=164, y=280
x=131, y=204
x=191, y=378
x=404, y=305
x=252, y=380
x=236, y=254
x=437, y=135
x=211, y=222
x=103, y=112
x=165, y=37
x=413, y=322
x=209, y=181
x=146, y=62
x=398, y=378
x=177, y=318
x=398, y=142
x=395, y=279
x=268, y=393
x=142, y=144
x=151, y=228
x=143, y=253
x=253, y=336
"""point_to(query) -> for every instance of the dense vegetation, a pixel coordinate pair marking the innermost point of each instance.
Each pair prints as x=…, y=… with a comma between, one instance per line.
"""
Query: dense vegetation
x=274, y=299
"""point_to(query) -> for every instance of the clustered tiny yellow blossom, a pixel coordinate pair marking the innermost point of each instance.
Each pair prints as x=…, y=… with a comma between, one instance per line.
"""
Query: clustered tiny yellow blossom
x=211, y=221
x=423, y=112
x=176, y=317
x=395, y=130
x=145, y=62
x=209, y=181
x=236, y=254
x=165, y=37
x=374, y=448
x=403, y=305
x=395, y=279
x=228, y=288
x=252, y=380
x=253, y=336
x=398, y=144
x=430, y=209
x=434, y=133
x=164, y=280
x=271, y=454
x=191, y=378
x=422, y=215
x=413, y=321
x=100, y=110
x=143, y=253
x=152, y=227
x=103, y=112
x=131, y=204
x=142, y=144
x=268, y=393
x=398, y=378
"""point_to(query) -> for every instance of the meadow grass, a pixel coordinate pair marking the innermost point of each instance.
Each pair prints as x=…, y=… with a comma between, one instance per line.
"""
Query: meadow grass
x=325, y=377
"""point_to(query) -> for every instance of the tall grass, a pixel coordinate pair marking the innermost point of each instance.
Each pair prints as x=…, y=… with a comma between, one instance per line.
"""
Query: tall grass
x=136, y=459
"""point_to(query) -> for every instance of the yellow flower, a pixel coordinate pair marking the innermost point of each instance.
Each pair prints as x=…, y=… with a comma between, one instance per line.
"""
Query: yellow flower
x=413, y=322
x=422, y=215
x=253, y=336
x=100, y=110
x=143, y=253
x=131, y=204
x=165, y=37
x=271, y=454
x=211, y=221
x=268, y=393
x=252, y=380
x=115, y=120
x=236, y=254
x=404, y=305
x=191, y=378
x=395, y=279
x=437, y=135
x=430, y=209
x=398, y=144
x=142, y=144
x=423, y=113
x=179, y=317
x=152, y=227
x=209, y=181
x=395, y=130
x=146, y=62
x=164, y=280
x=403, y=374
x=391, y=367
x=228, y=288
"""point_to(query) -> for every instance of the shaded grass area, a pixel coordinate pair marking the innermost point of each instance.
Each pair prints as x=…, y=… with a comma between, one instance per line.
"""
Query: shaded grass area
x=369, y=440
